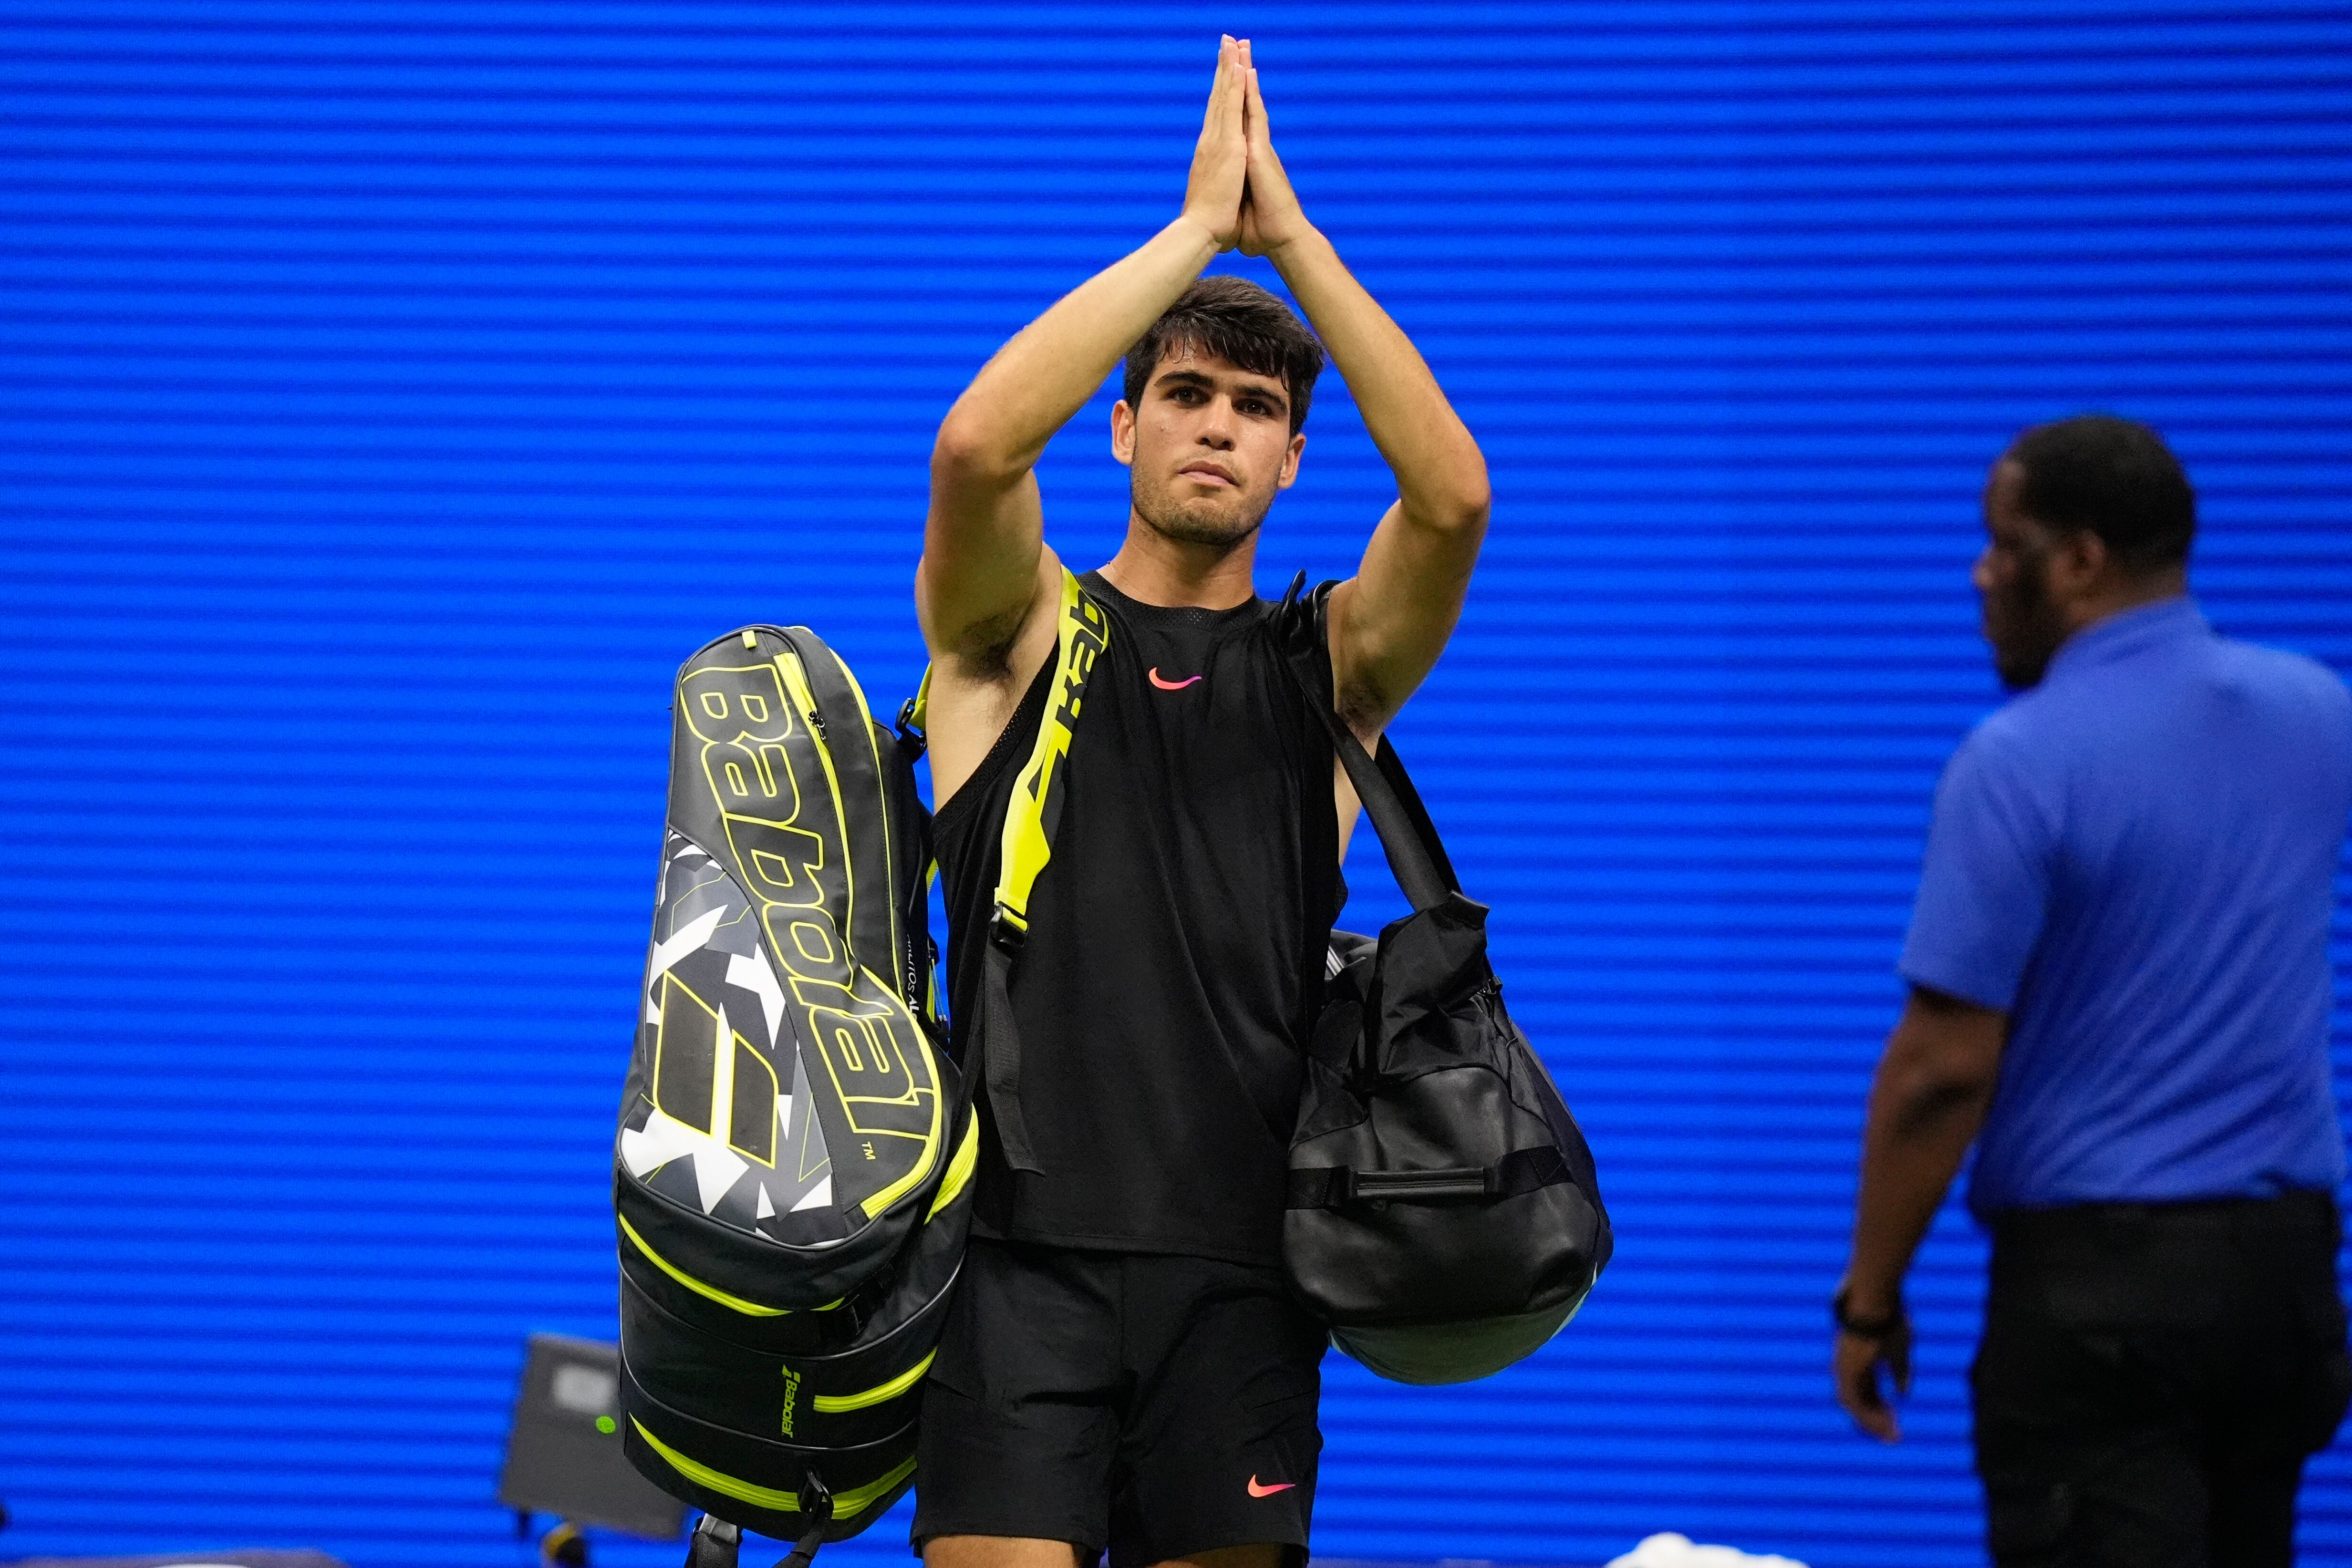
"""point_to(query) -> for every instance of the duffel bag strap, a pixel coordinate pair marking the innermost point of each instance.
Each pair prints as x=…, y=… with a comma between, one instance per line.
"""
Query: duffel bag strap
x=1335, y=1187
x=1416, y=855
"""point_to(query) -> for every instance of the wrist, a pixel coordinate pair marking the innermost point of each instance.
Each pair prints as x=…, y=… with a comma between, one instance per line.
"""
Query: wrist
x=1299, y=247
x=1871, y=1314
x=1197, y=234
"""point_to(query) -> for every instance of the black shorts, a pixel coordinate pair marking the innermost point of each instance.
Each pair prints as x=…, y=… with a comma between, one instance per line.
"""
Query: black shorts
x=1153, y=1405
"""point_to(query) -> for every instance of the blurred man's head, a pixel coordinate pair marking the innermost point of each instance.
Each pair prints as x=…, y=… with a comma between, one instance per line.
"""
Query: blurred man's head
x=2082, y=517
x=1216, y=393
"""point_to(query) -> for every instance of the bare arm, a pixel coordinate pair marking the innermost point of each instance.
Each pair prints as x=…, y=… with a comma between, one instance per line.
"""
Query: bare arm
x=985, y=567
x=1927, y=1103
x=1390, y=621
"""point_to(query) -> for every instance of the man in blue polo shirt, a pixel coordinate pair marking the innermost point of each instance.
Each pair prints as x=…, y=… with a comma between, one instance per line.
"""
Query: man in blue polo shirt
x=2120, y=994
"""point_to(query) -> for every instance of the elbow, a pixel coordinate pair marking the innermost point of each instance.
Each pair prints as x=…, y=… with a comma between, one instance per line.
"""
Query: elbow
x=1927, y=1090
x=1455, y=514
x=1469, y=511
x=959, y=452
x=1459, y=506
x=966, y=452
x=972, y=450
x=1921, y=1095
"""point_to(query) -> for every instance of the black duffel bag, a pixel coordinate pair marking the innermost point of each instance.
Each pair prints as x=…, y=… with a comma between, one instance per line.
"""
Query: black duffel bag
x=1443, y=1215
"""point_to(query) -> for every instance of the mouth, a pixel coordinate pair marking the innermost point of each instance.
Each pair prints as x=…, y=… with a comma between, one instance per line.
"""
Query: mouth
x=1208, y=474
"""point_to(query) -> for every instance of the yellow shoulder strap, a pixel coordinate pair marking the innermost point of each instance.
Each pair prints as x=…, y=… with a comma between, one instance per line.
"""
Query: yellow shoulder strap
x=1082, y=631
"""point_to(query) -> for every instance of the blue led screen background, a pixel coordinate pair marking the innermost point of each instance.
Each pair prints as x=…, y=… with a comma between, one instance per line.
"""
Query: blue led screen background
x=395, y=393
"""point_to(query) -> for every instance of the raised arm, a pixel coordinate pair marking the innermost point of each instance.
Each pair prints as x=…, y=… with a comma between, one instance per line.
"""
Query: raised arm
x=985, y=569
x=1390, y=621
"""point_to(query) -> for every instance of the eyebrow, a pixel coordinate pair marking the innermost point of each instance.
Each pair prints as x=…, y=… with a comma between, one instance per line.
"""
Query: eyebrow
x=1208, y=384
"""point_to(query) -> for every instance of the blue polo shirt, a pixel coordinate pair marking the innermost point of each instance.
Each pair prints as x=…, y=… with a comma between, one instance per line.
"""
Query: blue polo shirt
x=2135, y=860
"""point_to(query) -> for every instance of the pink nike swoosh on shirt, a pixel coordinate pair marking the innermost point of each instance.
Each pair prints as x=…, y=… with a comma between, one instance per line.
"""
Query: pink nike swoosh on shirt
x=1255, y=1488
x=1174, y=686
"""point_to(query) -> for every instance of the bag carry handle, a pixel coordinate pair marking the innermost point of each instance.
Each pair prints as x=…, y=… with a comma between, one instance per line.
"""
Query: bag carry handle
x=1520, y=1172
x=1416, y=855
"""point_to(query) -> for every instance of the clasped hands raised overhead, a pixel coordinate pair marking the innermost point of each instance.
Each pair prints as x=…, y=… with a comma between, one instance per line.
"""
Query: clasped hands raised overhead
x=1238, y=193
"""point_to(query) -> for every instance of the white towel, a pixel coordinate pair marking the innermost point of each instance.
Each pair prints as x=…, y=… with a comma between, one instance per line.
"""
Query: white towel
x=1680, y=1551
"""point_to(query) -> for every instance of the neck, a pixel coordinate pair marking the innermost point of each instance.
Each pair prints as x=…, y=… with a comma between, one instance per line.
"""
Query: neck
x=2129, y=593
x=1152, y=569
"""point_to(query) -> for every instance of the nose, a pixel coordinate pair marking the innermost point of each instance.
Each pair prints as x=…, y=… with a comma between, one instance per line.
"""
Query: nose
x=1217, y=427
x=1980, y=574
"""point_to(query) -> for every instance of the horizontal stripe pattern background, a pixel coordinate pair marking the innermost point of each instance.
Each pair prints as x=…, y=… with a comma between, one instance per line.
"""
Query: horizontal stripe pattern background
x=394, y=393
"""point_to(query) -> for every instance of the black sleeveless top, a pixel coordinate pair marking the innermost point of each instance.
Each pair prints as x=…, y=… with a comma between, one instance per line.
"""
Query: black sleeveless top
x=1174, y=960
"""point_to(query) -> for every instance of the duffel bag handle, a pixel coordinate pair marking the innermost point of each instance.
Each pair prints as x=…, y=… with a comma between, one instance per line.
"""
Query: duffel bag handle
x=1416, y=855
x=1335, y=1187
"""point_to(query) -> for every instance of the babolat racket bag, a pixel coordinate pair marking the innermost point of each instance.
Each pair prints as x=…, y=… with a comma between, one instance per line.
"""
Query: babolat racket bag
x=1443, y=1216
x=796, y=1151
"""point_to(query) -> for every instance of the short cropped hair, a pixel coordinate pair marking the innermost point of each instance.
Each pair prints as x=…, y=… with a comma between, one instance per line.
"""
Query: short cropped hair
x=1233, y=320
x=2115, y=478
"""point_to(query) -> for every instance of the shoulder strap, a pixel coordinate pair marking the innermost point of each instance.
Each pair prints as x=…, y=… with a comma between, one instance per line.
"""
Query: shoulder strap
x=1416, y=855
x=993, y=1041
x=1081, y=633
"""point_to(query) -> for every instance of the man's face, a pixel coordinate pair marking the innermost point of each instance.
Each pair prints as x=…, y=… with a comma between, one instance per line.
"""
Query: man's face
x=2022, y=618
x=1207, y=448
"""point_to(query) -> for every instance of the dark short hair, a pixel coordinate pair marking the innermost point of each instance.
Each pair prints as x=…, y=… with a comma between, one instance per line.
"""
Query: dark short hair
x=1233, y=320
x=2115, y=478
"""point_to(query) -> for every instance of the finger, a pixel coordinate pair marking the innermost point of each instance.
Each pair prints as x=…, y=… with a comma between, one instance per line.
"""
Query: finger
x=1234, y=87
x=1258, y=127
x=1861, y=1398
x=1857, y=1388
x=1217, y=83
x=1877, y=1417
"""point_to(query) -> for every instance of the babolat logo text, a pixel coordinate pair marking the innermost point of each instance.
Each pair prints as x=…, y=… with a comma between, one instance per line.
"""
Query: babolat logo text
x=792, y=1397
x=1089, y=633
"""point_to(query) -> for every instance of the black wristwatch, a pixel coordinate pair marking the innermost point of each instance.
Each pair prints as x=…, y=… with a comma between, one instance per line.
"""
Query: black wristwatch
x=1894, y=1322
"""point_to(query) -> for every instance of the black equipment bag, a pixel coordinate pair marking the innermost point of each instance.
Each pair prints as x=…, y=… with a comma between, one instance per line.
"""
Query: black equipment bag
x=791, y=1177
x=1443, y=1216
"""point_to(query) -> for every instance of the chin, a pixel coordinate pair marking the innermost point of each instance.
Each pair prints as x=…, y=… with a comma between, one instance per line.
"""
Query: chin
x=2018, y=677
x=1203, y=521
x=2020, y=671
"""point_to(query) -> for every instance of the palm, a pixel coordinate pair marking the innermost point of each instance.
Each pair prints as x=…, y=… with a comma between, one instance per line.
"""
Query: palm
x=1251, y=241
x=1270, y=214
x=1213, y=195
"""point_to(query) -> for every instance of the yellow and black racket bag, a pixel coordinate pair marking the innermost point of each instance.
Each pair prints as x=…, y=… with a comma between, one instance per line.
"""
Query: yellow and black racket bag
x=793, y=1171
